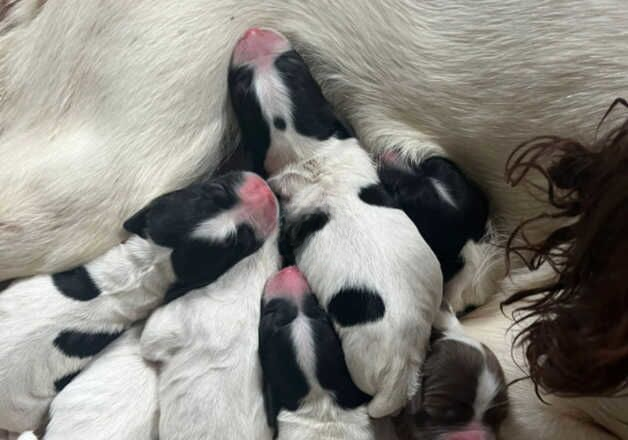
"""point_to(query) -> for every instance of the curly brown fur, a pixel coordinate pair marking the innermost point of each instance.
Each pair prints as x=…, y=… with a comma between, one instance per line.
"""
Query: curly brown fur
x=576, y=327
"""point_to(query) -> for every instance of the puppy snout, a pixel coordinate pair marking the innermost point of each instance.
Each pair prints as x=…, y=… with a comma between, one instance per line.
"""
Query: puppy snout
x=258, y=45
x=288, y=284
x=259, y=203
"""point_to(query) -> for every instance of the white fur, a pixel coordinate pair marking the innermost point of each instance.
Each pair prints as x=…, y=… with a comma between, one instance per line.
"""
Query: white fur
x=375, y=247
x=206, y=344
x=105, y=105
x=115, y=397
x=132, y=277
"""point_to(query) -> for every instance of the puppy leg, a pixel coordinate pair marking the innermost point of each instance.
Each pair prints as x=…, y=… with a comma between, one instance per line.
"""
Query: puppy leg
x=163, y=334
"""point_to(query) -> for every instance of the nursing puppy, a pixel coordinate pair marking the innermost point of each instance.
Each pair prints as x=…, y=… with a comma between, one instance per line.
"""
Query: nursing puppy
x=53, y=325
x=115, y=397
x=308, y=392
x=463, y=395
x=451, y=213
x=364, y=258
x=206, y=342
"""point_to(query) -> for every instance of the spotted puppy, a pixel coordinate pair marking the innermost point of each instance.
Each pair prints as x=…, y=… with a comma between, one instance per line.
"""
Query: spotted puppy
x=52, y=326
x=365, y=259
x=206, y=342
x=307, y=389
x=451, y=212
x=463, y=395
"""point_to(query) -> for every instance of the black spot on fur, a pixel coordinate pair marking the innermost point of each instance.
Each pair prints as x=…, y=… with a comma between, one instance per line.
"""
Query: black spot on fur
x=197, y=263
x=284, y=384
x=377, y=195
x=297, y=230
x=313, y=116
x=170, y=218
x=62, y=382
x=254, y=128
x=354, y=306
x=445, y=228
x=82, y=344
x=76, y=284
x=331, y=369
x=279, y=123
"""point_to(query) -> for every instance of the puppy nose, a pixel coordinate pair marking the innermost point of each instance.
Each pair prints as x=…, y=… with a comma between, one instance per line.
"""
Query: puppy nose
x=260, y=204
x=289, y=283
x=467, y=435
x=259, y=45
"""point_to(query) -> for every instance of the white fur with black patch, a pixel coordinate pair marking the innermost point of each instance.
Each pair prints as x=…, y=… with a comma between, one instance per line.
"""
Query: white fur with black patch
x=375, y=247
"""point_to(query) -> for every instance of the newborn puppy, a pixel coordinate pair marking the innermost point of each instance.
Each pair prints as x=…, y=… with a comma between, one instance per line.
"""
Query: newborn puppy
x=451, y=212
x=115, y=397
x=206, y=342
x=52, y=326
x=307, y=389
x=463, y=395
x=364, y=258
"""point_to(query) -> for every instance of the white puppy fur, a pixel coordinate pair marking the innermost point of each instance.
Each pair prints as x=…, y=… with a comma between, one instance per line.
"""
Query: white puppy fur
x=35, y=314
x=371, y=247
x=100, y=112
x=115, y=397
x=206, y=345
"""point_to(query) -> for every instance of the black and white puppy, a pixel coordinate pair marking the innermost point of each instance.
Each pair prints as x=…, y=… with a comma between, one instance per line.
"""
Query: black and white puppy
x=364, y=258
x=53, y=325
x=463, y=394
x=308, y=391
x=206, y=342
x=451, y=212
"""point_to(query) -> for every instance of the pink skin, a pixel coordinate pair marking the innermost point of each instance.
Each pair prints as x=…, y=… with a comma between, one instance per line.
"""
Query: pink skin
x=259, y=204
x=289, y=283
x=259, y=46
x=473, y=431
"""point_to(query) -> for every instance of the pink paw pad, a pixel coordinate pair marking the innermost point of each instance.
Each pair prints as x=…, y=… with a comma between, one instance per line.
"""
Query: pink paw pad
x=288, y=283
x=258, y=45
x=260, y=204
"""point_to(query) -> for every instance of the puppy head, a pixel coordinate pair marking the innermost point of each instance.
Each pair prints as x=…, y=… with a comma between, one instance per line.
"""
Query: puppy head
x=463, y=394
x=302, y=360
x=209, y=226
x=282, y=113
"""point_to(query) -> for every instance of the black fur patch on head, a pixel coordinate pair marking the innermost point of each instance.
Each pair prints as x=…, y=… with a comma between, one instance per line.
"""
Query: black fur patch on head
x=76, y=284
x=170, y=218
x=62, y=382
x=299, y=229
x=284, y=384
x=313, y=116
x=197, y=263
x=279, y=123
x=331, y=369
x=355, y=306
x=377, y=195
x=253, y=127
x=82, y=345
x=445, y=227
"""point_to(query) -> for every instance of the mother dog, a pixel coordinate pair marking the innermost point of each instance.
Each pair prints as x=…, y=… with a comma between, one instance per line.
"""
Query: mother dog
x=104, y=105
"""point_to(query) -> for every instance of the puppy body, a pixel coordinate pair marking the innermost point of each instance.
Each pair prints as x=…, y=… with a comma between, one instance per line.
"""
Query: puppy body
x=206, y=344
x=369, y=267
x=115, y=397
x=52, y=326
x=325, y=420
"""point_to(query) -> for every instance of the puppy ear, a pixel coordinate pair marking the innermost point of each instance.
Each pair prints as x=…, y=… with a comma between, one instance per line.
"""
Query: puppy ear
x=136, y=224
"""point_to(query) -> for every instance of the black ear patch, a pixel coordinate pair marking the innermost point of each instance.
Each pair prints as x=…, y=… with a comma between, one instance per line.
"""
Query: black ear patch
x=76, y=284
x=297, y=230
x=62, y=382
x=425, y=192
x=197, y=263
x=253, y=127
x=331, y=369
x=284, y=384
x=377, y=195
x=313, y=116
x=82, y=344
x=355, y=306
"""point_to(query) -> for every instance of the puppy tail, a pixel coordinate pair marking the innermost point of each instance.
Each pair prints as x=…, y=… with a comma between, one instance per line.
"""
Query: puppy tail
x=480, y=278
